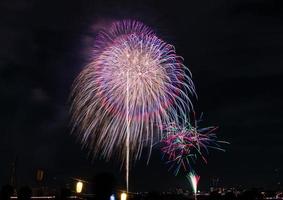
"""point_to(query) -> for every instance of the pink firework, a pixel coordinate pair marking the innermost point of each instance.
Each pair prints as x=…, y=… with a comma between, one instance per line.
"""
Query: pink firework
x=134, y=83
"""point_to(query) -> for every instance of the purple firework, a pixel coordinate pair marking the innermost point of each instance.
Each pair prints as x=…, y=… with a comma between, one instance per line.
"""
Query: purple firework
x=134, y=83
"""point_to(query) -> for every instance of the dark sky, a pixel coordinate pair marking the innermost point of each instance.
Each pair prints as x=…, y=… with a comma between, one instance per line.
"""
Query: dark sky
x=233, y=48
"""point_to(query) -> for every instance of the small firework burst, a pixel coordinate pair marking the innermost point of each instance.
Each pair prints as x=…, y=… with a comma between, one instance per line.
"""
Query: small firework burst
x=182, y=145
x=194, y=179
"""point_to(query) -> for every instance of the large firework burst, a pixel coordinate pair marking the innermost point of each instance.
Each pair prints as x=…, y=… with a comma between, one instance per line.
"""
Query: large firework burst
x=134, y=83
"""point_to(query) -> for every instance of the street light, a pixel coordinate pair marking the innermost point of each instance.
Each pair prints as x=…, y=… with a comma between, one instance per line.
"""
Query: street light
x=123, y=196
x=79, y=187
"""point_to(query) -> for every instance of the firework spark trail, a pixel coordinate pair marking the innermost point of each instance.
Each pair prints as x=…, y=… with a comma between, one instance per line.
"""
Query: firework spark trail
x=182, y=144
x=134, y=83
x=128, y=137
x=194, y=179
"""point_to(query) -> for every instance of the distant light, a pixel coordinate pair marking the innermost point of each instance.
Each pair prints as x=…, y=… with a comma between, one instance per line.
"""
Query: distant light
x=123, y=196
x=39, y=175
x=79, y=187
x=36, y=197
x=112, y=197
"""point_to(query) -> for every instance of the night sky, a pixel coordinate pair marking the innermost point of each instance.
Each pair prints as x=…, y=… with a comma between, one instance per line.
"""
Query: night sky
x=233, y=48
